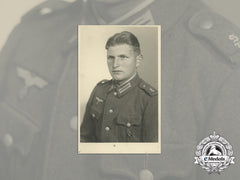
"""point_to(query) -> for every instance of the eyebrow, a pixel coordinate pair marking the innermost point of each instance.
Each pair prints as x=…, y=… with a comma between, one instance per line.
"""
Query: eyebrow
x=122, y=55
x=109, y=56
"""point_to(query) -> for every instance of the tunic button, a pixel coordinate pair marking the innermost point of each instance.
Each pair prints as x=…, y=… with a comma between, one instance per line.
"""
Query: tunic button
x=128, y=124
x=145, y=174
x=152, y=90
x=73, y=123
x=107, y=128
x=69, y=1
x=110, y=111
x=8, y=140
x=45, y=10
x=93, y=115
x=207, y=24
x=144, y=86
x=115, y=93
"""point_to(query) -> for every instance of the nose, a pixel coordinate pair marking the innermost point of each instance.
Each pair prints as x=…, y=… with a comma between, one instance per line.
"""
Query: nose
x=115, y=63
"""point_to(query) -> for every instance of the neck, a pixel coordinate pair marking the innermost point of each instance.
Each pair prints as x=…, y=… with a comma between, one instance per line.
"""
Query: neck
x=120, y=83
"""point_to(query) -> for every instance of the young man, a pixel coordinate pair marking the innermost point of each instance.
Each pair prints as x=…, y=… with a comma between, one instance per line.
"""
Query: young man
x=124, y=109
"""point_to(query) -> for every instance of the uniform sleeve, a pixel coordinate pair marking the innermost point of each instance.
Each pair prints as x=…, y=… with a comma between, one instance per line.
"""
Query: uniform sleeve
x=88, y=127
x=150, y=121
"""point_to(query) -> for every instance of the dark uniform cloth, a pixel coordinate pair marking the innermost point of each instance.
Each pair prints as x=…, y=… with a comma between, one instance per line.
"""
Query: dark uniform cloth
x=124, y=113
x=199, y=91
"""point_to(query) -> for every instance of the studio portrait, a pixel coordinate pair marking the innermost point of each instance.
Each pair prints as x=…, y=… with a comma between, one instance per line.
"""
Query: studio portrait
x=122, y=107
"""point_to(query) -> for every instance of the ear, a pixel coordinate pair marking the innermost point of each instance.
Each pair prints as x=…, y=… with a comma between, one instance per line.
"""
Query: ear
x=139, y=58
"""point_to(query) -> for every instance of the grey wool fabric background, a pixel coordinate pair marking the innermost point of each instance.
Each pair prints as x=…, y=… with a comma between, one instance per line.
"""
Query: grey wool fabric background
x=200, y=87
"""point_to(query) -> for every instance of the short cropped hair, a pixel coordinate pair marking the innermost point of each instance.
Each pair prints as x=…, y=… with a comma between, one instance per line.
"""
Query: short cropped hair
x=124, y=37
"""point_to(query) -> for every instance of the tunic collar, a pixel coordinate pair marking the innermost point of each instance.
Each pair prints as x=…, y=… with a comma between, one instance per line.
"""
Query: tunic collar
x=164, y=12
x=125, y=87
x=136, y=12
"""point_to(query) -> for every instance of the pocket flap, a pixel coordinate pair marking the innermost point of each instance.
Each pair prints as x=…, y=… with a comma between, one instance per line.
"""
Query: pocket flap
x=129, y=119
x=19, y=130
x=95, y=113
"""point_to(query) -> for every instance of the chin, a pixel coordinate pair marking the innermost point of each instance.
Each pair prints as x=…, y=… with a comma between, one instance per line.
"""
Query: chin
x=117, y=78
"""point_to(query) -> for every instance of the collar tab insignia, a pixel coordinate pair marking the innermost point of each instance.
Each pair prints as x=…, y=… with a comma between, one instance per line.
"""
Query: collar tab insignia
x=124, y=88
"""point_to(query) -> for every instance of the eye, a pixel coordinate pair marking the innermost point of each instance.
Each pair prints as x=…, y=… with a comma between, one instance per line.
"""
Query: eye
x=110, y=58
x=123, y=57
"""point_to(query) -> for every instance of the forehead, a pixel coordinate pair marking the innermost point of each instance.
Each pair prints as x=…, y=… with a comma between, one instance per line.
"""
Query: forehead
x=121, y=49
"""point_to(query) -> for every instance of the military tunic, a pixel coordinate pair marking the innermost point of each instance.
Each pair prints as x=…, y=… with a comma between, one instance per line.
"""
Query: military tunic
x=127, y=113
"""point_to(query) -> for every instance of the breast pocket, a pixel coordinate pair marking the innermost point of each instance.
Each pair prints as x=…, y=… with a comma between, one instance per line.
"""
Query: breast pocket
x=97, y=106
x=16, y=130
x=129, y=127
x=95, y=113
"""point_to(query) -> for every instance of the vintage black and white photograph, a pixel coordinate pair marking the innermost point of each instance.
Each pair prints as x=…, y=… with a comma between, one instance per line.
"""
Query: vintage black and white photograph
x=119, y=89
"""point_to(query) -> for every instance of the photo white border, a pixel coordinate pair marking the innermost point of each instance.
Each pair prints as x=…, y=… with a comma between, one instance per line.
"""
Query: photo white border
x=125, y=147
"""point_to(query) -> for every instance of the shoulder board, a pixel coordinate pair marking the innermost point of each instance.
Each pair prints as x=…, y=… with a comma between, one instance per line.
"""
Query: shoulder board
x=46, y=8
x=148, y=89
x=103, y=82
x=219, y=32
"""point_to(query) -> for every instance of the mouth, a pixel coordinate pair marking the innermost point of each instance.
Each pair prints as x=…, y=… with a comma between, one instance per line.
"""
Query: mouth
x=116, y=71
